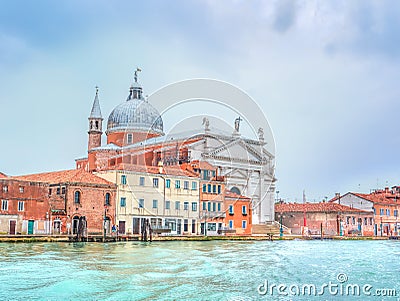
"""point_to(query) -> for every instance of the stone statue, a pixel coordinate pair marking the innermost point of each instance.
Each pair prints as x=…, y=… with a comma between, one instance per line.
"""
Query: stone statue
x=206, y=124
x=237, y=123
x=136, y=73
x=260, y=134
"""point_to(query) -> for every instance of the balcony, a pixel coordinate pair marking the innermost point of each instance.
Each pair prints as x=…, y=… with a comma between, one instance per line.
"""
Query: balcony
x=212, y=214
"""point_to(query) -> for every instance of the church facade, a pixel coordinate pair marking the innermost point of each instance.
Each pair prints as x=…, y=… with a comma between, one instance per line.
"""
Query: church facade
x=136, y=139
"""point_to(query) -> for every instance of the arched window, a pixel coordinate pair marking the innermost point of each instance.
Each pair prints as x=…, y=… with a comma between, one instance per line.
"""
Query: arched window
x=107, y=199
x=97, y=124
x=77, y=198
x=236, y=190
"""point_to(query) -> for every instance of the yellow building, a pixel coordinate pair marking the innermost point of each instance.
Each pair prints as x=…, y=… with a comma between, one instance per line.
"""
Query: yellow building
x=167, y=198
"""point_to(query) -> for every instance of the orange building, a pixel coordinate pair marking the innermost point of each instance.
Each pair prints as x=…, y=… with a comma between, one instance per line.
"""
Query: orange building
x=238, y=214
x=212, y=197
x=78, y=200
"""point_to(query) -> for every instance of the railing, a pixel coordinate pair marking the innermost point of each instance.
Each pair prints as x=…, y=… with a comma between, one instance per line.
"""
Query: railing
x=212, y=214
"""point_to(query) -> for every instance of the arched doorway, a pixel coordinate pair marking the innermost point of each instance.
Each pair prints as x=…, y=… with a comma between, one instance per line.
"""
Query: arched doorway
x=107, y=224
x=75, y=224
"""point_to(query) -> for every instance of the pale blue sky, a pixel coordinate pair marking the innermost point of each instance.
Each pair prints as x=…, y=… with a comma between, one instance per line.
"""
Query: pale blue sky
x=325, y=73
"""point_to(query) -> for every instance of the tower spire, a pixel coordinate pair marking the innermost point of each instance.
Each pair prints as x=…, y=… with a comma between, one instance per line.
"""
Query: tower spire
x=96, y=111
x=95, y=123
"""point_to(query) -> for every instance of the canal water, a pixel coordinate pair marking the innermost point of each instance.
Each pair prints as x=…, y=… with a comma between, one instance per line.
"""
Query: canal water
x=202, y=270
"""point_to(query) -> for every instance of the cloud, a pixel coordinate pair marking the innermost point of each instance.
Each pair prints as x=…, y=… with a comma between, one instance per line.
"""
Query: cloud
x=285, y=15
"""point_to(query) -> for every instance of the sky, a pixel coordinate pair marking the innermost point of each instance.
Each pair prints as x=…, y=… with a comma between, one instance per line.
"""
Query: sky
x=325, y=73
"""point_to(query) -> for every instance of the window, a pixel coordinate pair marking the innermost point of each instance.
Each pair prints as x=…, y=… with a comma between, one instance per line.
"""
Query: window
x=353, y=219
x=177, y=184
x=21, y=189
x=371, y=221
x=107, y=199
x=129, y=140
x=206, y=175
x=77, y=197
x=186, y=206
x=4, y=205
x=141, y=203
x=395, y=212
x=20, y=206
x=365, y=221
x=155, y=204
x=62, y=190
x=211, y=227
x=204, y=188
x=177, y=205
x=347, y=220
x=5, y=188
x=231, y=209
x=167, y=205
x=123, y=202
x=186, y=185
x=204, y=206
x=49, y=191
x=214, y=206
x=219, y=206
x=231, y=224
x=219, y=189
x=185, y=225
x=194, y=185
x=141, y=181
x=194, y=206
x=214, y=188
x=209, y=206
x=244, y=224
x=388, y=212
x=155, y=182
x=58, y=190
x=374, y=211
x=209, y=188
x=244, y=210
x=168, y=183
x=123, y=179
x=381, y=211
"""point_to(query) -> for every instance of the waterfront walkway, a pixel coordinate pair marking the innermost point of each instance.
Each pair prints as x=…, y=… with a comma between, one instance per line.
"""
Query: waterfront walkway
x=100, y=238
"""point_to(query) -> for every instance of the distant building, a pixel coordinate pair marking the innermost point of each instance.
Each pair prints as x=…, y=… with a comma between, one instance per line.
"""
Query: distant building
x=383, y=203
x=326, y=218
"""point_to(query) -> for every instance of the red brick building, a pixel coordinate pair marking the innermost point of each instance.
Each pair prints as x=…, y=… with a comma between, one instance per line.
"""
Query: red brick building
x=325, y=218
x=77, y=197
x=24, y=207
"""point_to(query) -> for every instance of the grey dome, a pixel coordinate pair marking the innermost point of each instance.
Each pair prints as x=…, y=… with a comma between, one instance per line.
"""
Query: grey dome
x=135, y=114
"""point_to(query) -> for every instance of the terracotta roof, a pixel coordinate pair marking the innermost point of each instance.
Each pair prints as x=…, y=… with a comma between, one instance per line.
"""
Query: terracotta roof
x=3, y=175
x=379, y=197
x=314, y=207
x=65, y=176
x=172, y=170
x=202, y=165
x=232, y=195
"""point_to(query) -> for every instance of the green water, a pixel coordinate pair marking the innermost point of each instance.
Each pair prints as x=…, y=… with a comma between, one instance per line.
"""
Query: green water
x=210, y=270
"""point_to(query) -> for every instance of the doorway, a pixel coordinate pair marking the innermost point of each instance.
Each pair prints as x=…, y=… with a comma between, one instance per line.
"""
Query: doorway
x=121, y=227
x=13, y=226
x=31, y=225
x=75, y=225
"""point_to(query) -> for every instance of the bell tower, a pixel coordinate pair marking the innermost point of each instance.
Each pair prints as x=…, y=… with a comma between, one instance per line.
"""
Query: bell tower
x=95, y=123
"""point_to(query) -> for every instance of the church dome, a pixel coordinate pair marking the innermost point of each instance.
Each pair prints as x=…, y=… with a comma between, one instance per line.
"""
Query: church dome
x=135, y=114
